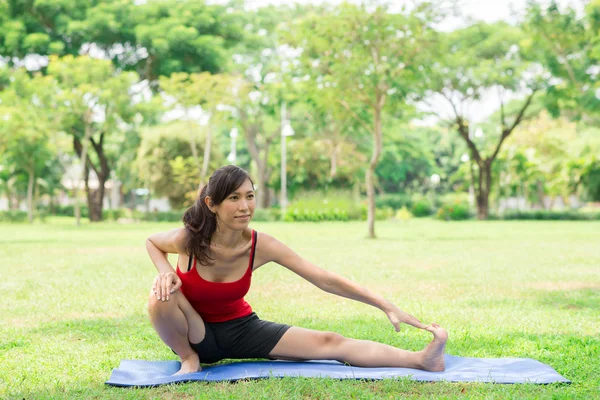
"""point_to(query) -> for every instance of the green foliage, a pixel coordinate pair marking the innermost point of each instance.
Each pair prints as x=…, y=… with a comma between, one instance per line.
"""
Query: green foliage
x=165, y=164
x=266, y=215
x=307, y=215
x=567, y=44
x=13, y=216
x=546, y=215
x=175, y=36
x=395, y=201
x=422, y=208
x=315, y=206
x=69, y=211
x=113, y=214
x=455, y=211
x=403, y=214
x=159, y=216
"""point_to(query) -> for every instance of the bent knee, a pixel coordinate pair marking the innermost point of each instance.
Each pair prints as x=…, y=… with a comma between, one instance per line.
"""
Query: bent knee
x=331, y=339
x=156, y=305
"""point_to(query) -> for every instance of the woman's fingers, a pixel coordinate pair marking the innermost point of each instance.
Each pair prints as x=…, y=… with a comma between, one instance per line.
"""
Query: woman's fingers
x=165, y=284
x=177, y=285
x=156, y=287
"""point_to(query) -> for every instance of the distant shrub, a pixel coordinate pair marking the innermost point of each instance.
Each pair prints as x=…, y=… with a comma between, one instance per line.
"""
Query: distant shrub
x=14, y=216
x=159, y=216
x=403, y=214
x=308, y=215
x=455, y=212
x=395, y=201
x=546, y=215
x=114, y=214
x=266, y=214
x=69, y=211
x=422, y=208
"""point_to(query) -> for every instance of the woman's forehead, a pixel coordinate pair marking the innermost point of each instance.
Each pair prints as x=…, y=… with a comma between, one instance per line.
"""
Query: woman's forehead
x=245, y=187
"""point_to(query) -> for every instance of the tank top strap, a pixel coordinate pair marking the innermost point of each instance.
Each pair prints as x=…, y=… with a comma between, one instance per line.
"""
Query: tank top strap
x=253, y=250
x=190, y=263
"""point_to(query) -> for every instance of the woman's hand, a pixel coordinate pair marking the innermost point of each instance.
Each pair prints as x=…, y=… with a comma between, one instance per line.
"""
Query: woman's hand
x=398, y=316
x=164, y=284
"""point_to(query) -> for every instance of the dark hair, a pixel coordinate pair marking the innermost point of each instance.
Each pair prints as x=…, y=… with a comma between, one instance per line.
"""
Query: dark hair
x=199, y=221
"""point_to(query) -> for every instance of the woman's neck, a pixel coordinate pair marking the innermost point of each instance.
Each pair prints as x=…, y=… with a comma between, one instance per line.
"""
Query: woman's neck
x=227, y=239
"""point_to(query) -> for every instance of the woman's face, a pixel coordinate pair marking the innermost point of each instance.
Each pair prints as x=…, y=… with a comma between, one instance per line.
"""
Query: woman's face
x=237, y=209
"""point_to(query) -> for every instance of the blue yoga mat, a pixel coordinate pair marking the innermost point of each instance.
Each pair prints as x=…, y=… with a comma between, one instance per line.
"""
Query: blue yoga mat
x=458, y=369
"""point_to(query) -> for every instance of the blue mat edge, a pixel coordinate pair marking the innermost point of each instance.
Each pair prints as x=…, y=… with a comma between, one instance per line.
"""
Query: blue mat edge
x=207, y=370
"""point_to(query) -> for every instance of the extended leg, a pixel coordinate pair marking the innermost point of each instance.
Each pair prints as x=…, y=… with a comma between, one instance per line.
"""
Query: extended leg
x=178, y=324
x=300, y=343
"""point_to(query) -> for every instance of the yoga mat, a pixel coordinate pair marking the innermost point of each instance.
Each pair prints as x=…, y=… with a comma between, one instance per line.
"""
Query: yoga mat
x=458, y=369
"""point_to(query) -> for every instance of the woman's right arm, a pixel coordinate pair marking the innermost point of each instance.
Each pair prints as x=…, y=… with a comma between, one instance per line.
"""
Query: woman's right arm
x=158, y=246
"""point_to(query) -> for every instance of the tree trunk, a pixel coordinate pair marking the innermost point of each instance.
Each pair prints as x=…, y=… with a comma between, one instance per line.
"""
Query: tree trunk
x=194, y=149
x=483, y=190
x=264, y=199
x=30, y=195
x=206, y=160
x=370, y=174
x=82, y=149
x=334, y=158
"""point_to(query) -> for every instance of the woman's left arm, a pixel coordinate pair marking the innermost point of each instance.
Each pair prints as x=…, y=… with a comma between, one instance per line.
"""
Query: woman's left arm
x=333, y=283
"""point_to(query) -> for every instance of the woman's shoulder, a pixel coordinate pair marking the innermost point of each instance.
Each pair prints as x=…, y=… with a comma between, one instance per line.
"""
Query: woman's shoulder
x=267, y=242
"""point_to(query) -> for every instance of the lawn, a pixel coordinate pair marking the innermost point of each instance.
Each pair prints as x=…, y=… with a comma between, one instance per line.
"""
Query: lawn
x=75, y=304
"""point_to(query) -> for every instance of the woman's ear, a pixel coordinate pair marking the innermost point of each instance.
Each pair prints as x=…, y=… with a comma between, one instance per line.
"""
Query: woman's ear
x=209, y=204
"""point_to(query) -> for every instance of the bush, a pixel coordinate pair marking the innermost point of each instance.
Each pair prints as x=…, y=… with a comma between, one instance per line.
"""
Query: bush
x=403, y=214
x=395, y=201
x=13, y=216
x=159, y=216
x=266, y=214
x=307, y=215
x=546, y=215
x=69, y=211
x=455, y=212
x=114, y=214
x=381, y=214
x=422, y=208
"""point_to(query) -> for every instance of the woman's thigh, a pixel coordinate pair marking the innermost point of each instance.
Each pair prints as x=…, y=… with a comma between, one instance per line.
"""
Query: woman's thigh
x=306, y=344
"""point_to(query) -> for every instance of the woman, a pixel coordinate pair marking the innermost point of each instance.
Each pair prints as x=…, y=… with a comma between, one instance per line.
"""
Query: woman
x=199, y=309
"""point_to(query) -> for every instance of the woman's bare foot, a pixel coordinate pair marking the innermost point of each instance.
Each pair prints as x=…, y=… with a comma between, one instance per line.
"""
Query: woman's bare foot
x=433, y=354
x=189, y=365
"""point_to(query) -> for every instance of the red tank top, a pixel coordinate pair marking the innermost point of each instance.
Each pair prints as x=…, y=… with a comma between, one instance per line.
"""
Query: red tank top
x=218, y=301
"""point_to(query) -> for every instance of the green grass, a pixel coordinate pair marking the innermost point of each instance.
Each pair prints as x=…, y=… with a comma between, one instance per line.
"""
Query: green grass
x=74, y=304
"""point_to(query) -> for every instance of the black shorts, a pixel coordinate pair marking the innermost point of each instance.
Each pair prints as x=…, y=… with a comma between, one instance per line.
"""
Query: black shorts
x=246, y=337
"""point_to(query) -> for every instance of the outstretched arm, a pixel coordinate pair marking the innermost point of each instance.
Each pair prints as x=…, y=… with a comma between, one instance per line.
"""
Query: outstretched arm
x=332, y=282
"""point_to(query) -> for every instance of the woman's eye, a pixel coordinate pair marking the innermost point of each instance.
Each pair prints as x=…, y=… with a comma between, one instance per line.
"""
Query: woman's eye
x=251, y=196
x=233, y=198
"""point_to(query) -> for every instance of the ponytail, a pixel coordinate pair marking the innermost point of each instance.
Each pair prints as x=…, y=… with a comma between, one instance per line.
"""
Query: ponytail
x=200, y=223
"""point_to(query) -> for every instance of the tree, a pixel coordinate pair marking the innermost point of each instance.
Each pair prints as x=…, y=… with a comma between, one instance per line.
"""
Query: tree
x=193, y=91
x=568, y=46
x=153, y=38
x=475, y=62
x=94, y=104
x=165, y=164
x=370, y=59
x=26, y=129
